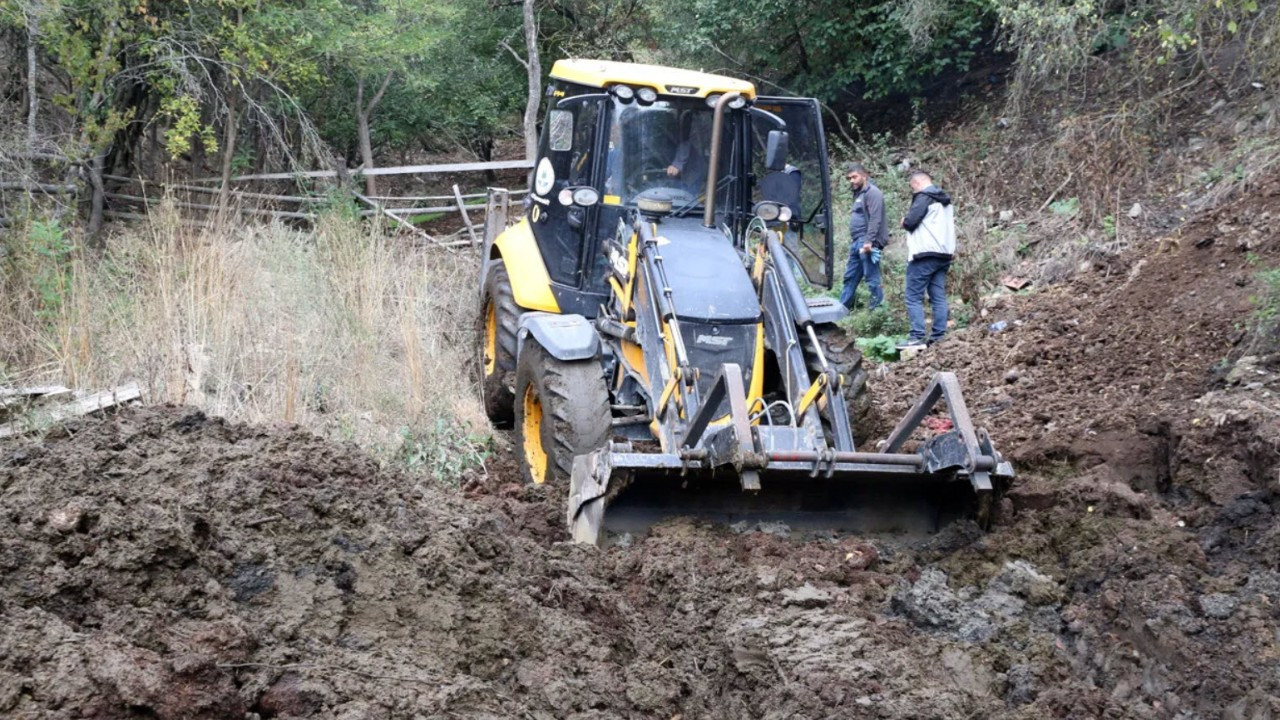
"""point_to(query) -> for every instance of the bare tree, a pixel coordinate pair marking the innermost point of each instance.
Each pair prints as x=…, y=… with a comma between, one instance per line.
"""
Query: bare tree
x=363, y=112
x=534, y=67
x=33, y=100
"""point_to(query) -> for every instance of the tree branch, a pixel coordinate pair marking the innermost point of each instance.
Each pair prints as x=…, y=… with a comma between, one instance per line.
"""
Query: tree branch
x=382, y=89
x=514, y=54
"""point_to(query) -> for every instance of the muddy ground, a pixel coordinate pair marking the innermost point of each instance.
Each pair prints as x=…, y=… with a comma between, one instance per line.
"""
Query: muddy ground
x=163, y=564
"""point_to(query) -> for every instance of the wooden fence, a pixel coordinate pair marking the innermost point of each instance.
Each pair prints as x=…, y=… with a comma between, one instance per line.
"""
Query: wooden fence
x=132, y=199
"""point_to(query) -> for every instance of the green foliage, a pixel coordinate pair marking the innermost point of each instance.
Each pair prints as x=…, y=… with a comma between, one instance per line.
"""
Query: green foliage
x=183, y=113
x=829, y=47
x=1055, y=41
x=51, y=259
x=1109, y=226
x=883, y=348
x=444, y=450
x=1266, y=313
x=1066, y=207
x=884, y=320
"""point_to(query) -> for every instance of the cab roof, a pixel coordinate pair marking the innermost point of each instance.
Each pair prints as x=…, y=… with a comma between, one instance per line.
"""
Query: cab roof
x=670, y=81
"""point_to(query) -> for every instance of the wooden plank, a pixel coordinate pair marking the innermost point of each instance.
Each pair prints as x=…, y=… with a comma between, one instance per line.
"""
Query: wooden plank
x=399, y=221
x=432, y=198
x=412, y=210
x=397, y=170
x=84, y=406
x=34, y=391
x=201, y=206
x=118, y=215
x=237, y=193
x=39, y=187
x=466, y=219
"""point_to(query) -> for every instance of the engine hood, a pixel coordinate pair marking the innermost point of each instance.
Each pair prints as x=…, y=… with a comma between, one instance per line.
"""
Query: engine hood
x=708, y=281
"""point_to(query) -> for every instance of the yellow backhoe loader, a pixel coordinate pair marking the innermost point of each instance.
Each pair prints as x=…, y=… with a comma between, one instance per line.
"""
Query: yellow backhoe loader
x=646, y=331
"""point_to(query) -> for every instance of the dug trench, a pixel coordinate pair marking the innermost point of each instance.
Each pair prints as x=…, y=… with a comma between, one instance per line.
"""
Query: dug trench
x=164, y=564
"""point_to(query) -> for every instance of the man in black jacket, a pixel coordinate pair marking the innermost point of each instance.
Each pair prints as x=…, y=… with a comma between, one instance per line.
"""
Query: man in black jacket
x=868, y=234
x=931, y=245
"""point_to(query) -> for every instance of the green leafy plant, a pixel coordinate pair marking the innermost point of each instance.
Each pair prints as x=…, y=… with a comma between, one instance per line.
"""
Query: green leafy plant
x=1109, y=226
x=1265, y=320
x=883, y=348
x=1066, y=207
x=444, y=450
x=52, y=249
x=881, y=321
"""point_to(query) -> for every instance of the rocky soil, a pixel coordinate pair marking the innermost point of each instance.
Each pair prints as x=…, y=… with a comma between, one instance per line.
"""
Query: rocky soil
x=163, y=564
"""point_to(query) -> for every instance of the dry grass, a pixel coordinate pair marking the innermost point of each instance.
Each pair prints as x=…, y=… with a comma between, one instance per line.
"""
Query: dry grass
x=342, y=329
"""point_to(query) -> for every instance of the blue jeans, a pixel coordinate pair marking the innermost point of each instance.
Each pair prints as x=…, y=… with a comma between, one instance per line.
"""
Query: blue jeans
x=859, y=268
x=927, y=275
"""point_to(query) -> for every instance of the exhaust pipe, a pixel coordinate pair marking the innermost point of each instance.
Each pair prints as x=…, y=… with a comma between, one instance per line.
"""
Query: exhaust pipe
x=717, y=128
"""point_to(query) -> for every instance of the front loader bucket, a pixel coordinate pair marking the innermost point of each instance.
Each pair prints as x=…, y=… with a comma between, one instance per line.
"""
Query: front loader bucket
x=952, y=475
x=614, y=494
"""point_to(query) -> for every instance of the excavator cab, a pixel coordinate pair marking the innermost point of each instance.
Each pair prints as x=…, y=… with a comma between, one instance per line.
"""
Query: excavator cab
x=646, y=331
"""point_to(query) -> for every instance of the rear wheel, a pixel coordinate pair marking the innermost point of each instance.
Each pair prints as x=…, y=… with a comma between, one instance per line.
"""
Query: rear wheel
x=499, y=321
x=845, y=357
x=561, y=411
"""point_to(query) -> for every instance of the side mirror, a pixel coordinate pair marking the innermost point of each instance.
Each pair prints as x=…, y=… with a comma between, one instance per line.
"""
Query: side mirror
x=775, y=154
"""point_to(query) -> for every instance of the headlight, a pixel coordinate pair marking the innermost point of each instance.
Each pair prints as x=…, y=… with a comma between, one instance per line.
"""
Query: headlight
x=566, y=197
x=647, y=95
x=769, y=211
x=625, y=93
x=585, y=196
x=736, y=104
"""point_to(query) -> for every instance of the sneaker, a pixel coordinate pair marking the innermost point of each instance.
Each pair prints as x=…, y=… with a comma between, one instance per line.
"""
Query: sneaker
x=932, y=341
x=911, y=344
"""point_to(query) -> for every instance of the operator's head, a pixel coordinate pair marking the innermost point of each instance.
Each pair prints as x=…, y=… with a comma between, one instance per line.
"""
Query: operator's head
x=857, y=175
x=919, y=180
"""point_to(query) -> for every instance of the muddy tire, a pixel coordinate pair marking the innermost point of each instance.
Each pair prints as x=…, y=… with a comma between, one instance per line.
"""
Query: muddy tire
x=561, y=411
x=841, y=352
x=496, y=358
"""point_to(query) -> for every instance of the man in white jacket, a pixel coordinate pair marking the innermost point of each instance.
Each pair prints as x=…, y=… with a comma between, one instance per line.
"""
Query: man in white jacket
x=931, y=245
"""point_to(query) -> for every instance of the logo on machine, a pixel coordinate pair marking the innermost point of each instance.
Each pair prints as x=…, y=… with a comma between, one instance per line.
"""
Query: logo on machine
x=718, y=341
x=682, y=90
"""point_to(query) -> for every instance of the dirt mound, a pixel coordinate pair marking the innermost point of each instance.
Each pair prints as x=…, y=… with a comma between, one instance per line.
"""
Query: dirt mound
x=165, y=564
x=1113, y=367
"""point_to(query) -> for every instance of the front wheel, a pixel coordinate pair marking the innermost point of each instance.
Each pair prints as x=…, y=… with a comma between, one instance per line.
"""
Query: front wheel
x=561, y=411
x=844, y=356
x=499, y=322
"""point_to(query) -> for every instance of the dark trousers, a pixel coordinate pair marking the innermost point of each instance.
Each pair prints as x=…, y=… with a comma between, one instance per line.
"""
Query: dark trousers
x=927, y=275
x=859, y=268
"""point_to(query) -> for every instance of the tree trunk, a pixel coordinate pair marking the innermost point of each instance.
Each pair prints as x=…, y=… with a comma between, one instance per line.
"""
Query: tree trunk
x=228, y=155
x=534, y=67
x=362, y=127
x=32, y=98
x=95, y=179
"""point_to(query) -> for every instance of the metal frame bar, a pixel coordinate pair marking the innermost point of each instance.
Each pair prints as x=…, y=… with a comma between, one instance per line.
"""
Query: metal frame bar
x=946, y=386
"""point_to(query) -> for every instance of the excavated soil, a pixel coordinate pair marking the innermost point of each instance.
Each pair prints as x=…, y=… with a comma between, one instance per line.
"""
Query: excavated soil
x=163, y=564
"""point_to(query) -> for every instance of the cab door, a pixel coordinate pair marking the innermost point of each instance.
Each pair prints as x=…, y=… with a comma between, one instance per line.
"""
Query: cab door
x=809, y=236
x=566, y=158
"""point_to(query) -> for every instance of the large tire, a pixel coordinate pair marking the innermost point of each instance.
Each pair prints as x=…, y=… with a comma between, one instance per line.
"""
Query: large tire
x=496, y=360
x=561, y=411
x=843, y=354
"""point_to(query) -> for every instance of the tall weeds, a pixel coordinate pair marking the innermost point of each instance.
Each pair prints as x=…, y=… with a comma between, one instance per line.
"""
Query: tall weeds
x=342, y=329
